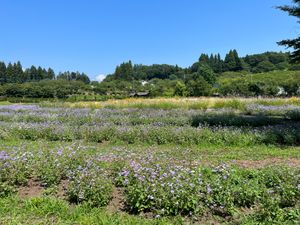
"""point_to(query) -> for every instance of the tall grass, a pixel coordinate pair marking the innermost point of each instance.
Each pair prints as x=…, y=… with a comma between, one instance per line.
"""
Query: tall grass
x=178, y=103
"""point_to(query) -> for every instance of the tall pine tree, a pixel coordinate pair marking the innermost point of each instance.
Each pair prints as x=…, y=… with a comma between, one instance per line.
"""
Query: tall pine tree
x=33, y=73
x=9, y=73
x=293, y=43
x=233, y=62
x=2, y=73
x=17, y=73
x=50, y=74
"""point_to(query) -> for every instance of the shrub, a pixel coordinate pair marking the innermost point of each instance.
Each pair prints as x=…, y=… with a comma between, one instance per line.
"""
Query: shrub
x=89, y=185
x=173, y=190
x=293, y=115
x=6, y=189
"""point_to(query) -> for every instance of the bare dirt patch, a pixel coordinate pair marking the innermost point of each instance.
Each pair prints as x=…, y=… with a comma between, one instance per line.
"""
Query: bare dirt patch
x=33, y=189
x=62, y=189
x=117, y=203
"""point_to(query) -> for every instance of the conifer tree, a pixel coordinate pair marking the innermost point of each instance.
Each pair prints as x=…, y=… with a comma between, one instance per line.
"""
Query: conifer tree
x=204, y=59
x=17, y=73
x=233, y=62
x=50, y=74
x=238, y=61
x=32, y=73
x=230, y=61
x=40, y=74
x=293, y=43
x=2, y=73
x=9, y=73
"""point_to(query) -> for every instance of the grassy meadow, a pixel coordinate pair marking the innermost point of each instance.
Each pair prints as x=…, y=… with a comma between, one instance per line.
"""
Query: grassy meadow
x=151, y=161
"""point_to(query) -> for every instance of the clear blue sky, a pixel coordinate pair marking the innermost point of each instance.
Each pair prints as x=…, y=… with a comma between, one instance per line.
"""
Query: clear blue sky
x=93, y=36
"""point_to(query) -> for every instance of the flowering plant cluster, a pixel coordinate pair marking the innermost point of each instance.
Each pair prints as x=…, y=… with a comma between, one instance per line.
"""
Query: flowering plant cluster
x=91, y=185
x=171, y=189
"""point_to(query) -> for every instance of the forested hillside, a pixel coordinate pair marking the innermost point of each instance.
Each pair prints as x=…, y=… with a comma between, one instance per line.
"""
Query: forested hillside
x=269, y=73
x=266, y=74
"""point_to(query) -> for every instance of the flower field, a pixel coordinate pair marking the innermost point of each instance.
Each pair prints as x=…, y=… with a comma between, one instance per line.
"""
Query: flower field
x=156, y=161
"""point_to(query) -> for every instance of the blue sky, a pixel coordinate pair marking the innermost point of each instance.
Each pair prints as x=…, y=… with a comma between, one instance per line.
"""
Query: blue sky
x=93, y=36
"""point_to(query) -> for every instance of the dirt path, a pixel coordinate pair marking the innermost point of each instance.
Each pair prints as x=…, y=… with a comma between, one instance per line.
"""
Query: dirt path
x=117, y=203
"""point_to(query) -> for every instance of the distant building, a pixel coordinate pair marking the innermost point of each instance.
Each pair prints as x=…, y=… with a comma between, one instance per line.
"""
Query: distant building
x=216, y=94
x=281, y=92
x=144, y=82
x=139, y=94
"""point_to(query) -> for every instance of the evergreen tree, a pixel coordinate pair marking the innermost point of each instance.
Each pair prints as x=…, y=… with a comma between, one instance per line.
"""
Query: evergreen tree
x=17, y=75
x=9, y=73
x=212, y=61
x=83, y=77
x=293, y=43
x=26, y=75
x=2, y=73
x=238, y=61
x=219, y=65
x=124, y=71
x=33, y=73
x=50, y=74
x=40, y=74
x=204, y=59
x=233, y=62
x=229, y=61
x=44, y=73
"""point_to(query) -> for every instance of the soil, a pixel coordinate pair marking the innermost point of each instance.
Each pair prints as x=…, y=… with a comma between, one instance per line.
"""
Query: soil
x=62, y=189
x=33, y=189
x=117, y=203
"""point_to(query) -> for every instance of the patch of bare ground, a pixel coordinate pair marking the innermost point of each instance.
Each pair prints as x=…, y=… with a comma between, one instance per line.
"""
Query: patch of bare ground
x=268, y=162
x=117, y=203
x=36, y=189
x=62, y=189
x=32, y=189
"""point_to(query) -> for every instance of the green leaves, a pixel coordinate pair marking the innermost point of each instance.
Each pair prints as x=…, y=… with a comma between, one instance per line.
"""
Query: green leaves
x=172, y=190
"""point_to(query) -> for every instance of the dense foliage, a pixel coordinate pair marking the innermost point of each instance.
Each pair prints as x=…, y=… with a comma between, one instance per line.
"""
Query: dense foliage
x=266, y=74
x=14, y=73
x=43, y=89
x=202, y=78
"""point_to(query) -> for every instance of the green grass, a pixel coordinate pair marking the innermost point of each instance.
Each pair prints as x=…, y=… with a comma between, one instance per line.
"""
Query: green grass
x=48, y=210
x=4, y=103
x=210, y=154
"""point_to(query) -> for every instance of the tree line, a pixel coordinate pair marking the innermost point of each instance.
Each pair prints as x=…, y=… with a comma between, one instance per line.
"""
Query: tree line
x=258, y=63
x=50, y=89
x=200, y=79
x=14, y=73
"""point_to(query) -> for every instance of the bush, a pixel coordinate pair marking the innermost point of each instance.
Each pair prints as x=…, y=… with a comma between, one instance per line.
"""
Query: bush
x=233, y=120
x=293, y=115
x=89, y=185
x=6, y=189
x=176, y=190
